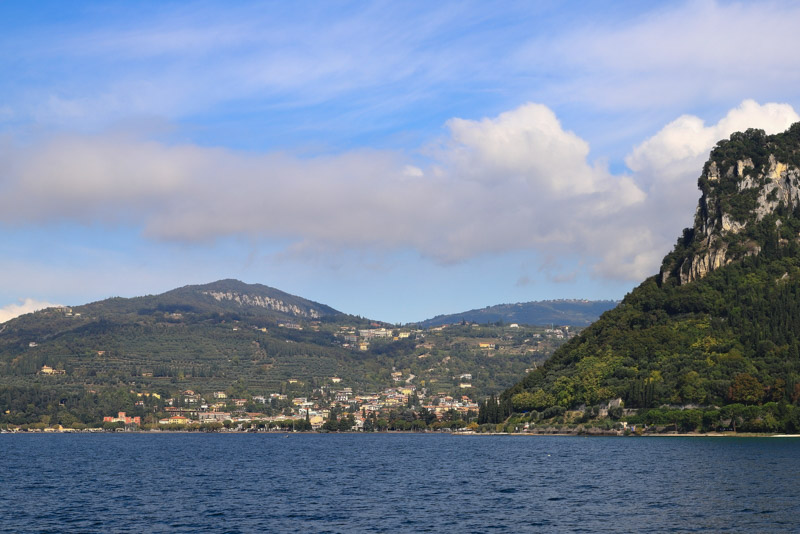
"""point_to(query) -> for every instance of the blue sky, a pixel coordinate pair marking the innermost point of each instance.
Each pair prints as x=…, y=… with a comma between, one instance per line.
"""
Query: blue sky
x=396, y=160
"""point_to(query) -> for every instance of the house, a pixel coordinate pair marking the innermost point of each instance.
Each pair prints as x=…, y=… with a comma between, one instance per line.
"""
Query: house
x=174, y=420
x=174, y=410
x=220, y=395
x=205, y=417
x=375, y=333
x=316, y=420
x=47, y=370
x=190, y=397
x=122, y=418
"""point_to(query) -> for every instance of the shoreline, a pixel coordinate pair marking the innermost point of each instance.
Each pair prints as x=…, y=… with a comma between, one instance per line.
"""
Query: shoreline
x=644, y=435
x=510, y=434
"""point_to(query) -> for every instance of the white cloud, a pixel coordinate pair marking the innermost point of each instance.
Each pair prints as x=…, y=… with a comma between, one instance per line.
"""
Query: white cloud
x=668, y=164
x=24, y=306
x=686, y=141
x=518, y=181
x=525, y=144
x=498, y=184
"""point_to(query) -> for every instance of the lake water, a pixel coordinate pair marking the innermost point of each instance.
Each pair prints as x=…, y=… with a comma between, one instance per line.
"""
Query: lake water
x=396, y=483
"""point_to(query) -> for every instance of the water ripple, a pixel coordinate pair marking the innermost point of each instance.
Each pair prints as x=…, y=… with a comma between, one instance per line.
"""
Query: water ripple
x=395, y=483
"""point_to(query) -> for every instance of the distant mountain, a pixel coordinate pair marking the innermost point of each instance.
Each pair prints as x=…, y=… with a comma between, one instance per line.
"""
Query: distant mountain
x=719, y=327
x=187, y=330
x=559, y=312
x=223, y=296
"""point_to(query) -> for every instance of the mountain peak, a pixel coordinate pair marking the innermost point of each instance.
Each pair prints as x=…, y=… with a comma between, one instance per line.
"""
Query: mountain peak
x=235, y=294
x=750, y=200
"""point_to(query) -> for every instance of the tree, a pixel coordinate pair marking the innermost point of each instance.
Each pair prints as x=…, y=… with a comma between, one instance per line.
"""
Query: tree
x=532, y=400
x=346, y=424
x=746, y=389
x=331, y=425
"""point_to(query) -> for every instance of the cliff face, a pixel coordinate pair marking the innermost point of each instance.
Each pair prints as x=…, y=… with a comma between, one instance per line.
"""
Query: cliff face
x=750, y=186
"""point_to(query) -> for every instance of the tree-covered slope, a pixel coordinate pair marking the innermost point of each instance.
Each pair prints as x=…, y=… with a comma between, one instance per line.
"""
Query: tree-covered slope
x=219, y=332
x=720, y=324
x=560, y=312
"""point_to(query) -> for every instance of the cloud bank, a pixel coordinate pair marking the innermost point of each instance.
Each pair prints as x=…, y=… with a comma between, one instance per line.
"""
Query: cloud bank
x=517, y=181
x=25, y=306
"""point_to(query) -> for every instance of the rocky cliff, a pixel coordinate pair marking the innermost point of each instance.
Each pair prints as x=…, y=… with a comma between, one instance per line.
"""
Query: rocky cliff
x=750, y=189
x=244, y=299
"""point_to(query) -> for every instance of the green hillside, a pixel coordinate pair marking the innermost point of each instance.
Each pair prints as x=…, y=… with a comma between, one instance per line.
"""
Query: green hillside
x=560, y=312
x=216, y=334
x=712, y=341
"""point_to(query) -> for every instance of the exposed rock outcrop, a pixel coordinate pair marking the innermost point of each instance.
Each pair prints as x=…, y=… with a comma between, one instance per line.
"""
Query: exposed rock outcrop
x=741, y=187
x=270, y=303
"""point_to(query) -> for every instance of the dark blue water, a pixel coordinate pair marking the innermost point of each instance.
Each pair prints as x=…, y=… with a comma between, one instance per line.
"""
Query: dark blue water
x=396, y=483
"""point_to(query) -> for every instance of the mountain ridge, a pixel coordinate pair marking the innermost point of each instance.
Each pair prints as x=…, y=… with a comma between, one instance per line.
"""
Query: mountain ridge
x=564, y=312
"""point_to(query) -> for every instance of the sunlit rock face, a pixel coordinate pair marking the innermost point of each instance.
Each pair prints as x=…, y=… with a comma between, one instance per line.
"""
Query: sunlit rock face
x=750, y=187
x=269, y=303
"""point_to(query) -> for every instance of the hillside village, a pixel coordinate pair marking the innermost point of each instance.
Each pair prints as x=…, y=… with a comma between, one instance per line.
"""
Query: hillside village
x=398, y=407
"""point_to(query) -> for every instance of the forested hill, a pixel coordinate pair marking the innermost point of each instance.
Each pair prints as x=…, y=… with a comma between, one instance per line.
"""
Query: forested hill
x=560, y=312
x=719, y=326
x=189, y=330
x=223, y=296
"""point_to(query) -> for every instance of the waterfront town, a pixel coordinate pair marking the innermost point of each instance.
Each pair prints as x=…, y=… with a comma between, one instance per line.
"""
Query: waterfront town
x=330, y=408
